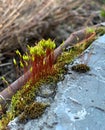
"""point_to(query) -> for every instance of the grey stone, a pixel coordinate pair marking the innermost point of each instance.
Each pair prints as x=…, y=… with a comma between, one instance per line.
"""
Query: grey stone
x=79, y=103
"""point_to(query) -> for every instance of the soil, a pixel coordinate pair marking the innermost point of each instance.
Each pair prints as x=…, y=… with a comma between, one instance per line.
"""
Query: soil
x=87, y=14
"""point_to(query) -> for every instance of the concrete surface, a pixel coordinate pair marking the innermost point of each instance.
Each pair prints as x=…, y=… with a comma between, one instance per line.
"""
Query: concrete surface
x=79, y=103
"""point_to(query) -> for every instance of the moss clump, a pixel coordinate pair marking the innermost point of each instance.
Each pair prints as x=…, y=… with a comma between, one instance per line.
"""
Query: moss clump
x=69, y=56
x=100, y=31
x=81, y=68
x=32, y=111
x=21, y=98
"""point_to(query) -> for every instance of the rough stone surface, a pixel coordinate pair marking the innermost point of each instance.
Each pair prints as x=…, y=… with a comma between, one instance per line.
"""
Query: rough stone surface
x=79, y=103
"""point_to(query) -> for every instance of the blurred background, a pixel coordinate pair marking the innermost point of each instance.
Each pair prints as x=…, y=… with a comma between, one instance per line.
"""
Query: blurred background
x=25, y=22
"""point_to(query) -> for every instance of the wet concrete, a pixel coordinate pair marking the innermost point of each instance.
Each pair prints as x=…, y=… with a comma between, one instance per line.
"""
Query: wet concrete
x=79, y=103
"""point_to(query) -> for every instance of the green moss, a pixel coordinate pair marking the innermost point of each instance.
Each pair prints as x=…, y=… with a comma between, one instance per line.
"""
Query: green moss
x=23, y=97
x=47, y=44
x=69, y=56
x=100, y=31
x=32, y=111
x=102, y=13
x=23, y=102
x=90, y=30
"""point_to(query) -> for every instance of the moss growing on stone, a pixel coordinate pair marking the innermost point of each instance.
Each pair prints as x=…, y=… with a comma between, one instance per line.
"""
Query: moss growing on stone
x=81, y=68
x=23, y=102
x=32, y=111
x=100, y=31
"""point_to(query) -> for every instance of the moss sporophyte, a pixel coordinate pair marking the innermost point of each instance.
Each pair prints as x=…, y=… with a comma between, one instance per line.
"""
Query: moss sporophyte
x=39, y=60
